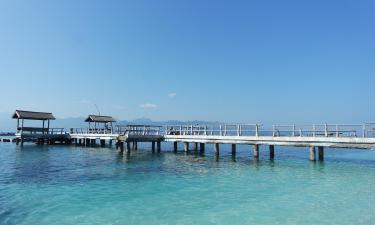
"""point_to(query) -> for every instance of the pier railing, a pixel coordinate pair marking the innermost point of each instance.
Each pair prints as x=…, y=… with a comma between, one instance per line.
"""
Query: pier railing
x=139, y=130
x=316, y=130
x=38, y=130
x=108, y=130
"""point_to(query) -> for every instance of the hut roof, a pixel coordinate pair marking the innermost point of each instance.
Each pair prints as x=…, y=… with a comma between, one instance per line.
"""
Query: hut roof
x=29, y=115
x=100, y=119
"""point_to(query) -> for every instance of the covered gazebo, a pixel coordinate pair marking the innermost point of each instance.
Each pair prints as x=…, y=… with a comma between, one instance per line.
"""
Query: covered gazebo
x=22, y=115
x=100, y=122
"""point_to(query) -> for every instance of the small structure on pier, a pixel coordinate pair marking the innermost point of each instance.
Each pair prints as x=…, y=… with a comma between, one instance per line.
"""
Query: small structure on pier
x=38, y=134
x=100, y=123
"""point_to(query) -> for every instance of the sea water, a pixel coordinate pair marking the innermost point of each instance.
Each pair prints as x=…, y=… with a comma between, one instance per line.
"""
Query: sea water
x=77, y=185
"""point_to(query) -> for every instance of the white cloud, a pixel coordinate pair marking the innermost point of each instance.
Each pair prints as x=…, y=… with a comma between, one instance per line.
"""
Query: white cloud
x=148, y=106
x=172, y=95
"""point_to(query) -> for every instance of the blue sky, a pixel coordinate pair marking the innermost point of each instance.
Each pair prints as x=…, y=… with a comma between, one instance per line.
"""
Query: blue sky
x=239, y=61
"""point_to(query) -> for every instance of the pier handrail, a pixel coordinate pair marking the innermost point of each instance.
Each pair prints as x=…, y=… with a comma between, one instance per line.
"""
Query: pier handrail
x=292, y=130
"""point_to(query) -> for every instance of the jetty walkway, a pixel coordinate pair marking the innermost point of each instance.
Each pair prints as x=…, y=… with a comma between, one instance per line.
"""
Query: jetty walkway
x=101, y=128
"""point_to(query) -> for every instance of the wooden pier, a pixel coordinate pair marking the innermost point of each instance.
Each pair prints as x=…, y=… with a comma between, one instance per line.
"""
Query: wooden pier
x=315, y=137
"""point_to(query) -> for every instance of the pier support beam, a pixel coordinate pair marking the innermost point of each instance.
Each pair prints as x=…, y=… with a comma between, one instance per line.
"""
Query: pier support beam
x=272, y=152
x=256, y=151
x=158, y=147
x=196, y=146
x=216, y=149
x=175, y=146
x=321, y=153
x=127, y=150
x=312, y=153
x=202, y=147
x=120, y=147
x=135, y=145
x=153, y=146
x=102, y=143
x=110, y=143
x=80, y=142
x=234, y=149
x=186, y=146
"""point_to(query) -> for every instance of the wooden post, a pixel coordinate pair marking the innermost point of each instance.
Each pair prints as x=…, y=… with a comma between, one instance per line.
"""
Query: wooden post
x=233, y=149
x=120, y=147
x=196, y=146
x=102, y=143
x=312, y=153
x=175, y=146
x=110, y=143
x=153, y=146
x=321, y=153
x=158, y=146
x=127, y=147
x=272, y=152
x=216, y=148
x=202, y=147
x=80, y=141
x=256, y=151
x=186, y=146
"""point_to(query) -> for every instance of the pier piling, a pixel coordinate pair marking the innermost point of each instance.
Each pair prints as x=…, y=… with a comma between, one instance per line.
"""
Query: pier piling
x=216, y=149
x=102, y=143
x=321, y=153
x=256, y=151
x=312, y=153
x=153, y=146
x=186, y=146
x=202, y=147
x=175, y=146
x=234, y=149
x=127, y=147
x=158, y=147
x=272, y=152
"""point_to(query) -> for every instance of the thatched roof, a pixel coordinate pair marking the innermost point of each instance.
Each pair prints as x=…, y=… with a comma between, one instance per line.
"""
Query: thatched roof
x=29, y=115
x=100, y=119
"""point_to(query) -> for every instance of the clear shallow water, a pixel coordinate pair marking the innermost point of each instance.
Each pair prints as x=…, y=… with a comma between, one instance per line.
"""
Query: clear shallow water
x=69, y=185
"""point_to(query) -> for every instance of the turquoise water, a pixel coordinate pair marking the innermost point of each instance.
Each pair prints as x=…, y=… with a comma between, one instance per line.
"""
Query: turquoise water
x=73, y=185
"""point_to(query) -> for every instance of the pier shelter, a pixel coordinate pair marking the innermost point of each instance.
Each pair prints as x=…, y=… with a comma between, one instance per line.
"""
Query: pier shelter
x=39, y=134
x=100, y=124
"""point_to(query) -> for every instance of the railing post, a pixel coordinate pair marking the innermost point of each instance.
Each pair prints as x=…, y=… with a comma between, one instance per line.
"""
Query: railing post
x=337, y=130
x=294, y=130
x=256, y=130
x=238, y=130
x=364, y=130
x=314, y=130
x=221, y=131
x=273, y=131
x=300, y=132
x=225, y=130
x=326, y=130
x=205, y=131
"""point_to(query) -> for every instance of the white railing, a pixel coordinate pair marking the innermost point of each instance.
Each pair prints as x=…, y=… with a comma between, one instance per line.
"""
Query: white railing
x=139, y=130
x=108, y=130
x=316, y=130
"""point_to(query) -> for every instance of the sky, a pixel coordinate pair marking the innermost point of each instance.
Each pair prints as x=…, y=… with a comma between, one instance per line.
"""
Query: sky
x=237, y=61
